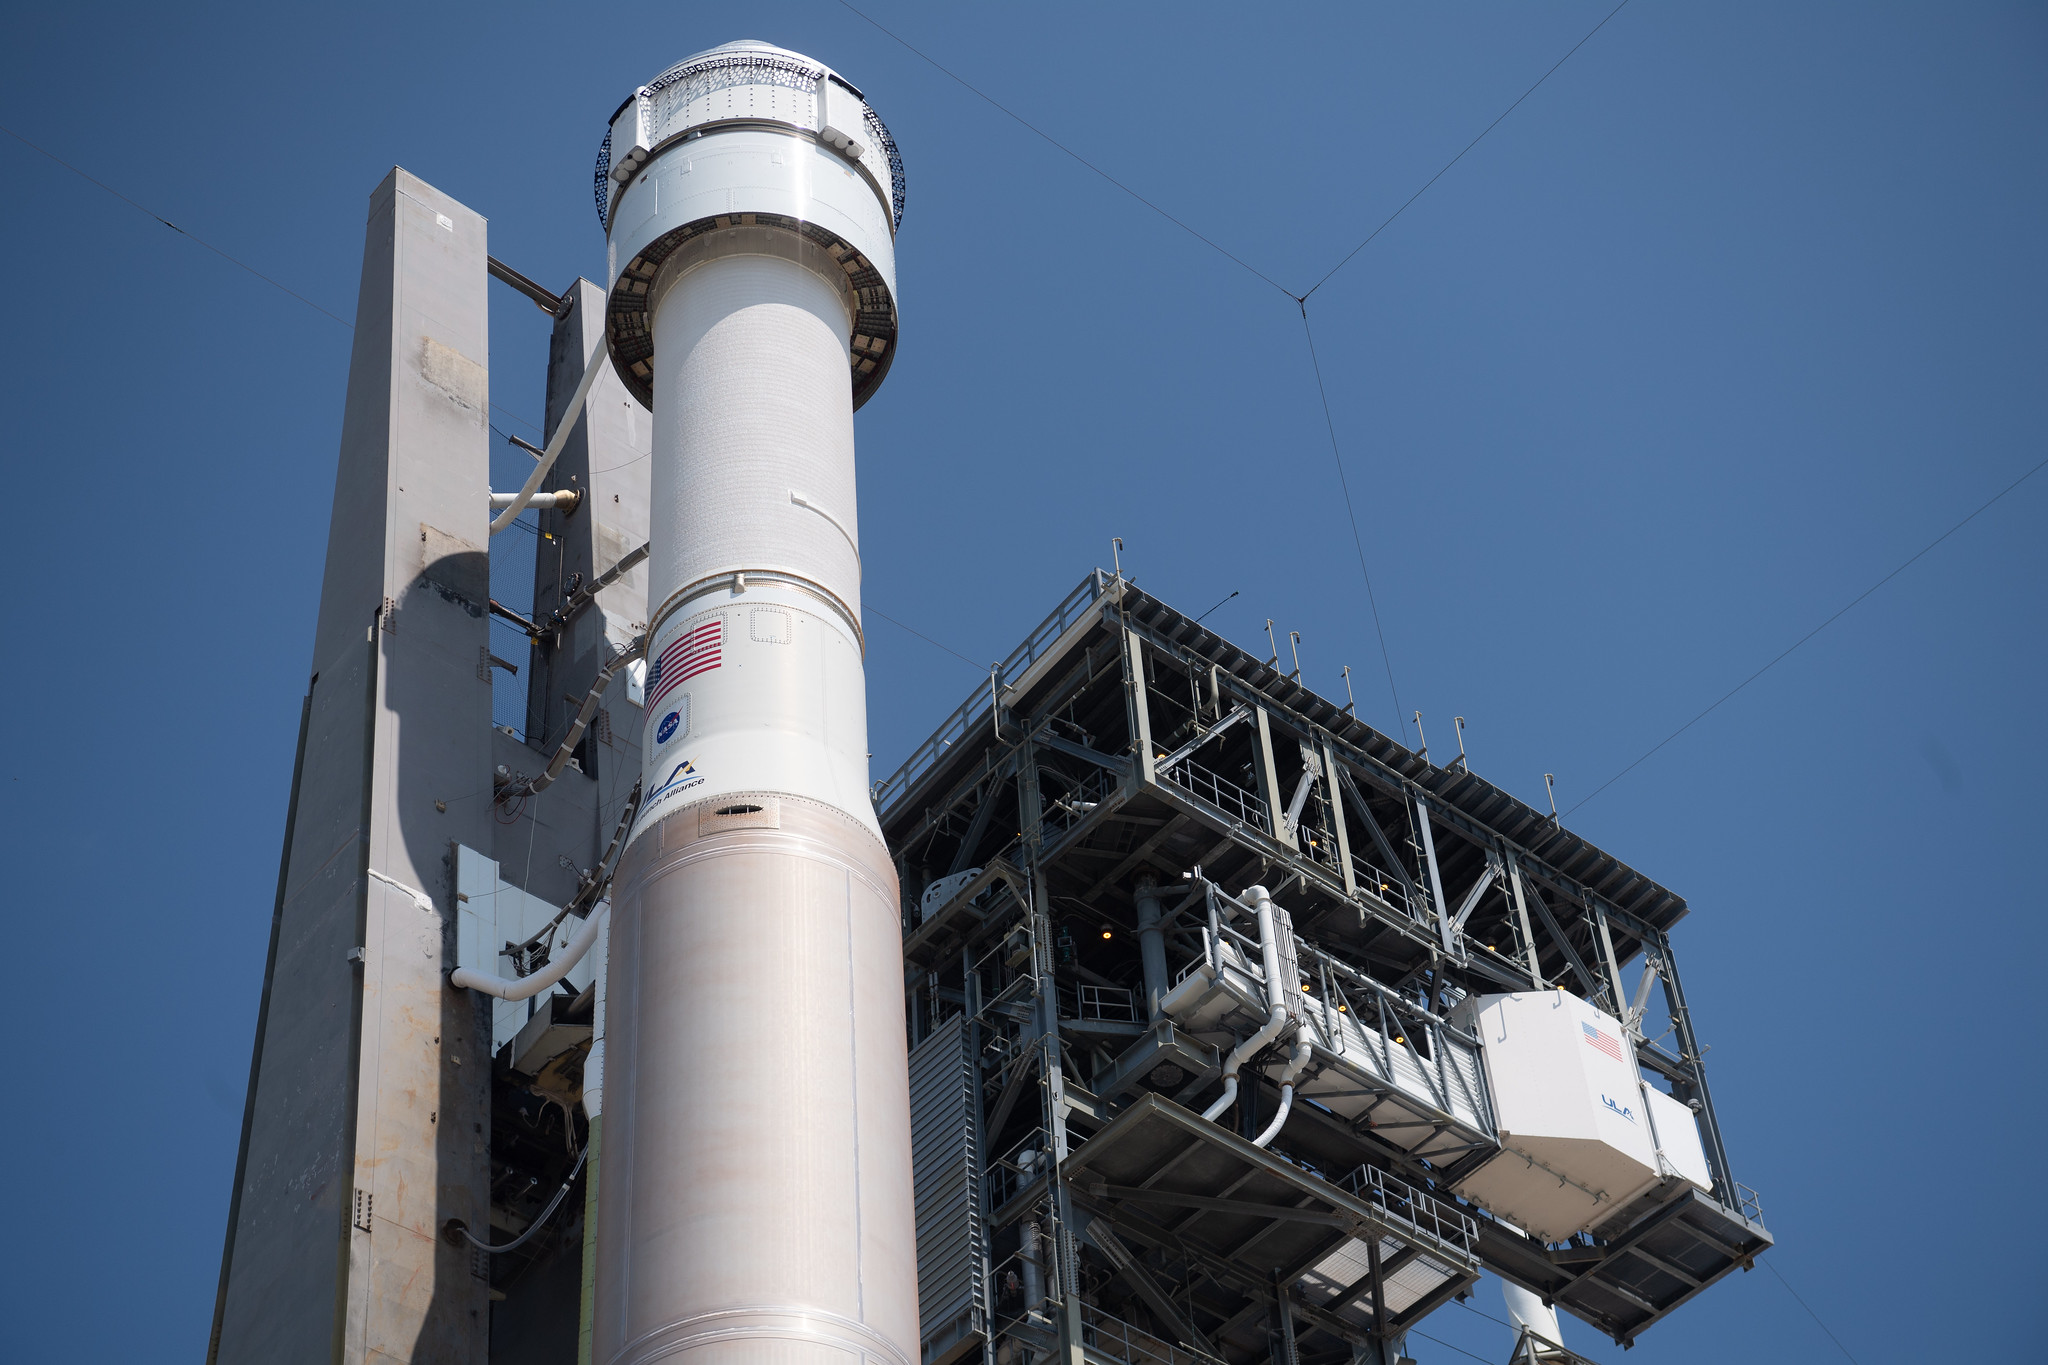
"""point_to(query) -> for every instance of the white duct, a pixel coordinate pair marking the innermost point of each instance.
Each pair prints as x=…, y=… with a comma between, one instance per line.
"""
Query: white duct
x=1276, y=1001
x=526, y=987
x=564, y=500
x=566, y=424
x=1296, y=1060
x=754, y=1192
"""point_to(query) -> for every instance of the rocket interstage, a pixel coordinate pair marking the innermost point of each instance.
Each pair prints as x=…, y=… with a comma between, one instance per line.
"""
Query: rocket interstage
x=754, y=1178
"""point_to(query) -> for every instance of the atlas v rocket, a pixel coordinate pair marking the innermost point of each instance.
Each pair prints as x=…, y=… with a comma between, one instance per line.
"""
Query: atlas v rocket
x=755, y=1199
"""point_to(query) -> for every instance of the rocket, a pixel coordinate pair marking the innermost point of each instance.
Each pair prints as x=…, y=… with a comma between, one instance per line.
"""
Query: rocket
x=754, y=1181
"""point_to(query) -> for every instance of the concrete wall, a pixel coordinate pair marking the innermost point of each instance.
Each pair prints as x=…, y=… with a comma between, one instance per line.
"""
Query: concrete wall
x=367, y=1115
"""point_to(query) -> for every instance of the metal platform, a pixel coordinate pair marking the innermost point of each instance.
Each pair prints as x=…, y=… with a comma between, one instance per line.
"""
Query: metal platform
x=1122, y=748
x=1172, y=1181
x=1635, y=1278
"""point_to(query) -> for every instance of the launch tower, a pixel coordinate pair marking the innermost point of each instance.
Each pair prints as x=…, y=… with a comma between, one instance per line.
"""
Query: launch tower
x=1156, y=1011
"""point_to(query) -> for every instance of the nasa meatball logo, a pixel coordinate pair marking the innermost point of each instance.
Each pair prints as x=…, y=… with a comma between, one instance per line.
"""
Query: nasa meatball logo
x=667, y=729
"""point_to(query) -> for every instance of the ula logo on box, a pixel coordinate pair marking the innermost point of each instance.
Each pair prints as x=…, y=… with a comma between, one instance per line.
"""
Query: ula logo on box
x=1620, y=1110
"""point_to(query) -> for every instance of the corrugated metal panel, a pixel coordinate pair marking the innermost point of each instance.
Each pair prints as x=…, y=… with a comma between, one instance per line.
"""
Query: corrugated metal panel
x=946, y=1167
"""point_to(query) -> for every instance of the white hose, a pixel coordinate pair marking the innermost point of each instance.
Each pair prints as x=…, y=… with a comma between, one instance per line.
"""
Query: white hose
x=526, y=987
x=1296, y=1060
x=562, y=500
x=457, y=1228
x=1276, y=999
x=555, y=444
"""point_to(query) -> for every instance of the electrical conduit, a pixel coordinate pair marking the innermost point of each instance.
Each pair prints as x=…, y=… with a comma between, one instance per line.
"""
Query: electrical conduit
x=534, y=785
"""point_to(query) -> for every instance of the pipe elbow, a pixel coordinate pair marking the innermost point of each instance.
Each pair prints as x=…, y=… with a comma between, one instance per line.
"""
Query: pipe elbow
x=1279, y=1117
x=1297, y=1062
x=526, y=987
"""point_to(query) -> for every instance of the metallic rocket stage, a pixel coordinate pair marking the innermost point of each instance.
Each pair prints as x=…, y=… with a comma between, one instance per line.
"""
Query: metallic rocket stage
x=756, y=1194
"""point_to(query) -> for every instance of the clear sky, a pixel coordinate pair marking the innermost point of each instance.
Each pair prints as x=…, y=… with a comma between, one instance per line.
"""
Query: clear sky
x=1736, y=313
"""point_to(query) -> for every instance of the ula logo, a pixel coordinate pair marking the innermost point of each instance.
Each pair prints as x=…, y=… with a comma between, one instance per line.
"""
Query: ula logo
x=1621, y=1110
x=681, y=778
x=667, y=727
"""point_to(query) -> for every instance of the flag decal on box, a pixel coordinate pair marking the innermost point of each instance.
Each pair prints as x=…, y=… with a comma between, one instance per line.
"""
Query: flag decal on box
x=1602, y=1042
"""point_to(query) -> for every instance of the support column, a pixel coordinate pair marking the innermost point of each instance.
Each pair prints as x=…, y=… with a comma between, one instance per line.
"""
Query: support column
x=1608, y=959
x=1528, y=932
x=1335, y=801
x=1689, y=1049
x=1141, y=710
x=1269, y=780
x=1436, y=880
x=1151, y=944
x=604, y=459
x=368, y=1106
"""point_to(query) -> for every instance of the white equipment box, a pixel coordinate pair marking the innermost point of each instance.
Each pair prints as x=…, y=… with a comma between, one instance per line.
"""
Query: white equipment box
x=1581, y=1134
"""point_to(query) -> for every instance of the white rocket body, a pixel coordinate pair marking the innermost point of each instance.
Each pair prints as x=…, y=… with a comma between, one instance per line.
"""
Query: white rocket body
x=754, y=1161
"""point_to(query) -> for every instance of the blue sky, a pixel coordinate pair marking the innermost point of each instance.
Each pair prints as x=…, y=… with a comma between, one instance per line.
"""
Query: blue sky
x=1740, y=310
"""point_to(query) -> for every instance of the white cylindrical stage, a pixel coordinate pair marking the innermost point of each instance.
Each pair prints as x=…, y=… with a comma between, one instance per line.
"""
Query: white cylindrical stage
x=754, y=1182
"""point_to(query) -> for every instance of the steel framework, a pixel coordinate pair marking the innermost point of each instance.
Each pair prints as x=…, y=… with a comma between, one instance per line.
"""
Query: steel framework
x=1123, y=773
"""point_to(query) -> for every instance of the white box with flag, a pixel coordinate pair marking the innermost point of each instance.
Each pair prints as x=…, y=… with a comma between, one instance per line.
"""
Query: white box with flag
x=1577, y=1138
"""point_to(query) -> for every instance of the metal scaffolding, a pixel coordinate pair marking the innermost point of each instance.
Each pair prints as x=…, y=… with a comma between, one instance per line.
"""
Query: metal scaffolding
x=1106, y=799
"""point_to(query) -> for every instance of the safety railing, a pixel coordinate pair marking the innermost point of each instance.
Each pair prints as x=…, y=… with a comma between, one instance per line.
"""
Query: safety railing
x=1320, y=848
x=1375, y=881
x=976, y=710
x=1407, y=1206
x=1006, y=1176
x=1748, y=1205
x=1114, y=1340
x=1113, y=1004
x=1078, y=603
x=1071, y=806
x=1226, y=796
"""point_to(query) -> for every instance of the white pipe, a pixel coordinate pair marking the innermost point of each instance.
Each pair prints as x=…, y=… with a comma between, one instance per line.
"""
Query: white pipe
x=563, y=500
x=526, y=987
x=1276, y=1001
x=555, y=443
x=1296, y=1060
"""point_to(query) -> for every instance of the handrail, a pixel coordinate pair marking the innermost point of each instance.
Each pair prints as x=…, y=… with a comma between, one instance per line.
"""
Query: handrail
x=1101, y=1332
x=968, y=715
x=1427, y=1215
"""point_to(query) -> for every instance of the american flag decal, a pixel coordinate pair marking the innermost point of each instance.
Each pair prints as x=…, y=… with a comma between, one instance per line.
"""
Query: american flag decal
x=692, y=652
x=1601, y=1042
